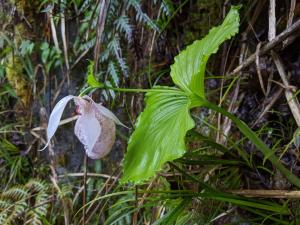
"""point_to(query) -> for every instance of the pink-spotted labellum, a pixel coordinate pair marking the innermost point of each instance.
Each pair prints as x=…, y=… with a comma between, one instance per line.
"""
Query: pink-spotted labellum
x=95, y=127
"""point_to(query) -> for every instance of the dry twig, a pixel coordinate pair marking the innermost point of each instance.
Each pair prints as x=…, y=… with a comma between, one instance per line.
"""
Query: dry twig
x=53, y=29
x=272, y=21
x=106, y=176
x=261, y=82
x=289, y=94
x=290, y=21
x=270, y=102
x=267, y=193
x=100, y=27
x=64, y=40
x=268, y=47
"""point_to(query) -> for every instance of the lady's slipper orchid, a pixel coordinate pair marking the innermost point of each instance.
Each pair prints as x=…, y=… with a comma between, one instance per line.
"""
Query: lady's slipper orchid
x=95, y=127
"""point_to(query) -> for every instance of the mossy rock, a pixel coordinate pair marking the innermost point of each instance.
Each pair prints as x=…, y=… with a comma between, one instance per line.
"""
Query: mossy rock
x=17, y=79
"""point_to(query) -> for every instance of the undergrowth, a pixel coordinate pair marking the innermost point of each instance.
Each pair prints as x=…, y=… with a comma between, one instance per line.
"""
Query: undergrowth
x=135, y=49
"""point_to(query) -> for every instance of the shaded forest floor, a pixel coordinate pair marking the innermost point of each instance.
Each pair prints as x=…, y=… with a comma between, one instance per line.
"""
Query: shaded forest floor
x=46, y=50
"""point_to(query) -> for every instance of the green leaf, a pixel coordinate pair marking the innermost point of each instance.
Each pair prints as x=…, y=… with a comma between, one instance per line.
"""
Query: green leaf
x=188, y=70
x=251, y=135
x=26, y=47
x=160, y=133
x=174, y=214
x=91, y=80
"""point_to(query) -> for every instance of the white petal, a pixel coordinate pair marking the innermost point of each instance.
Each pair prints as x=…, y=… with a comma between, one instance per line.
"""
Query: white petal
x=105, y=112
x=55, y=117
x=106, y=140
x=88, y=130
x=109, y=114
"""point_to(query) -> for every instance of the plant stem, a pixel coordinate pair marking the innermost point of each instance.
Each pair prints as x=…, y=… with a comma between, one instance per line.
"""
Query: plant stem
x=268, y=153
x=135, y=90
x=84, y=187
x=132, y=90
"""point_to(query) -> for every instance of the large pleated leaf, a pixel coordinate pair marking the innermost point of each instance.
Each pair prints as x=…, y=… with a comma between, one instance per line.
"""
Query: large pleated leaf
x=159, y=135
x=188, y=70
x=160, y=130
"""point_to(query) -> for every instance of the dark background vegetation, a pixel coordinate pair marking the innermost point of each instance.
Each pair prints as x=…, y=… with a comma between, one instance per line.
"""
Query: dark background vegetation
x=45, y=50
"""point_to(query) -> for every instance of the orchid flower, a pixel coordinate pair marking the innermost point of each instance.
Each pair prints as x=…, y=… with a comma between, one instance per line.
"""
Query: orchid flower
x=95, y=127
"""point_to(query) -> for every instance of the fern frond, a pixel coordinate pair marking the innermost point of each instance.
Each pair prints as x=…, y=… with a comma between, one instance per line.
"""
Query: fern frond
x=88, y=44
x=40, y=208
x=4, y=204
x=113, y=72
x=3, y=217
x=114, y=46
x=110, y=92
x=10, y=216
x=122, y=24
x=66, y=191
x=141, y=16
x=29, y=201
x=113, y=8
x=167, y=7
x=36, y=185
x=105, y=55
x=15, y=193
x=86, y=4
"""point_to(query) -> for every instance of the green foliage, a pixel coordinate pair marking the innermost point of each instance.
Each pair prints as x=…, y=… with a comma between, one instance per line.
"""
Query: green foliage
x=123, y=25
x=50, y=56
x=91, y=81
x=186, y=191
x=113, y=72
x=25, y=203
x=15, y=165
x=114, y=46
x=117, y=37
x=174, y=214
x=267, y=152
x=160, y=134
x=160, y=130
x=188, y=70
x=120, y=213
x=188, y=73
x=26, y=47
x=140, y=15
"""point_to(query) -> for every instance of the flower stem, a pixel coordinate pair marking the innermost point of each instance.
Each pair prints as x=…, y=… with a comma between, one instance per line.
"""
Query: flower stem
x=132, y=90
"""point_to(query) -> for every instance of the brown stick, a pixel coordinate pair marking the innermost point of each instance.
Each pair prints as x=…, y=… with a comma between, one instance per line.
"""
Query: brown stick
x=291, y=13
x=289, y=94
x=272, y=21
x=106, y=176
x=290, y=21
x=53, y=29
x=261, y=82
x=267, y=193
x=269, y=46
x=100, y=27
x=272, y=101
x=94, y=208
x=84, y=187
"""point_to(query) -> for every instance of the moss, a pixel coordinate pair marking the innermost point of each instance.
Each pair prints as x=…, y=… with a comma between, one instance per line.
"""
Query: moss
x=5, y=15
x=16, y=78
x=14, y=70
x=20, y=34
x=28, y=8
x=202, y=16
